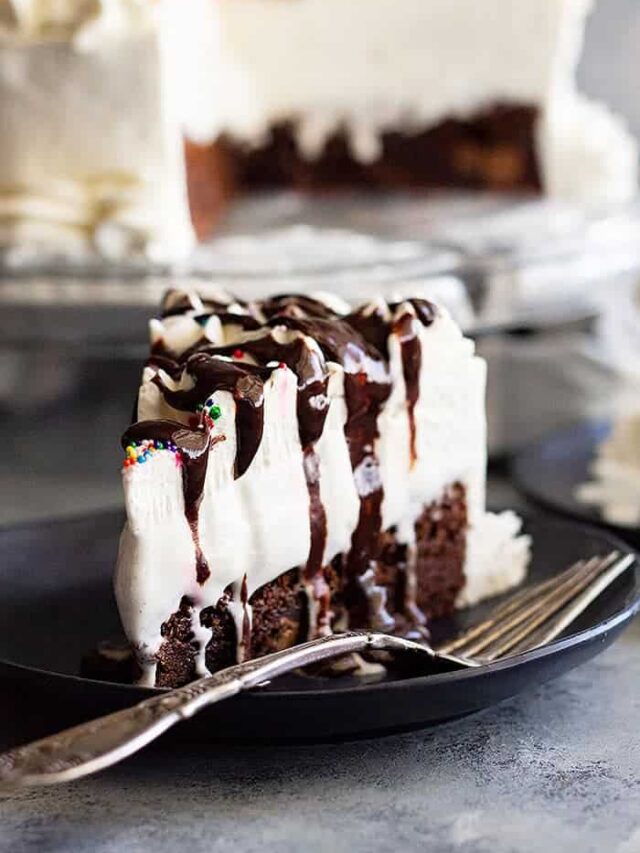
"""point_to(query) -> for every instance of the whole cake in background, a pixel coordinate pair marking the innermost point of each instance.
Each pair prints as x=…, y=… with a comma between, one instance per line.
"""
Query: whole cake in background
x=297, y=467
x=128, y=124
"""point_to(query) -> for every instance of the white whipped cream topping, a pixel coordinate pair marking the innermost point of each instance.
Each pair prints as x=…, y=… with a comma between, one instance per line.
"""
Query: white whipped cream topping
x=616, y=475
x=75, y=177
x=338, y=491
x=497, y=557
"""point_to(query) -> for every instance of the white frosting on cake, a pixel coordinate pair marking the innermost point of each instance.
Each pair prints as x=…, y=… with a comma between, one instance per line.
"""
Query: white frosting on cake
x=82, y=20
x=338, y=491
x=97, y=98
x=615, y=488
x=75, y=177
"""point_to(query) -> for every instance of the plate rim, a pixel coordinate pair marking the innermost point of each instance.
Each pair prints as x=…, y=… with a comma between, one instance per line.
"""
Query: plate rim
x=591, y=515
x=623, y=615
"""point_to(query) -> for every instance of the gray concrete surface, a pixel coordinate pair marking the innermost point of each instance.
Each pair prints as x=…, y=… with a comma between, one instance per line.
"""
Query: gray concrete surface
x=557, y=769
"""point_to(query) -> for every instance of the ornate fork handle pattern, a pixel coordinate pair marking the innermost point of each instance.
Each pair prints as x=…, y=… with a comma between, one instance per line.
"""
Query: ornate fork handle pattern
x=100, y=743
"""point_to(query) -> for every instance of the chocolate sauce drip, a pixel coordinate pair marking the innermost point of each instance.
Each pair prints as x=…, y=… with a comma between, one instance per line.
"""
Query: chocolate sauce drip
x=194, y=451
x=375, y=327
x=296, y=305
x=365, y=400
x=176, y=301
x=411, y=353
x=311, y=372
x=160, y=359
x=247, y=322
x=245, y=641
x=426, y=311
x=318, y=524
x=367, y=388
x=338, y=340
x=245, y=382
x=367, y=383
x=312, y=408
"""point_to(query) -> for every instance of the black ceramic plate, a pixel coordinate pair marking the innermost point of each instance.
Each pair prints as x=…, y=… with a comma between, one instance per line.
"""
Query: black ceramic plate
x=549, y=472
x=56, y=602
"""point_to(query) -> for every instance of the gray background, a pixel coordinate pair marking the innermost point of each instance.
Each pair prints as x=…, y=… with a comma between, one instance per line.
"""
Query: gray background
x=555, y=770
x=610, y=67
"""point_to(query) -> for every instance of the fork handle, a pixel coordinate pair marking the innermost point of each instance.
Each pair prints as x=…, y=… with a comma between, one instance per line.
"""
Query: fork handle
x=99, y=743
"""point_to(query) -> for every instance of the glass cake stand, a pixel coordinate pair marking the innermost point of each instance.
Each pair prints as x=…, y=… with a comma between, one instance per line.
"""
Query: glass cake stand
x=544, y=288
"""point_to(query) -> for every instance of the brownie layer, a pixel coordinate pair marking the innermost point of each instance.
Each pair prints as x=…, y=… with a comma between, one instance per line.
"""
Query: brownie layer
x=280, y=609
x=209, y=185
x=280, y=615
x=177, y=655
x=441, y=540
x=280, y=619
x=494, y=150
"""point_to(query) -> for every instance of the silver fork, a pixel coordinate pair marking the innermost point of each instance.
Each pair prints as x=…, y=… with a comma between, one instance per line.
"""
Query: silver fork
x=529, y=619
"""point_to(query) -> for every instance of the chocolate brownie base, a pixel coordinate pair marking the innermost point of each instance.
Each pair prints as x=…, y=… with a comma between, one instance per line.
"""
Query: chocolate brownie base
x=280, y=619
x=425, y=581
x=441, y=549
x=280, y=615
x=209, y=185
x=177, y=655
x=280, y=609
x=494, y=150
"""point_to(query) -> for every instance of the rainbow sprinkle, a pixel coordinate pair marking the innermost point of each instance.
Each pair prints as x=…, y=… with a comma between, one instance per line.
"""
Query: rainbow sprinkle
x=139, y=452
x=210, y=408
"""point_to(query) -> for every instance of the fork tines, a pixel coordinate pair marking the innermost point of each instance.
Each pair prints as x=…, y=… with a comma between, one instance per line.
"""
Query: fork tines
x=540, y=613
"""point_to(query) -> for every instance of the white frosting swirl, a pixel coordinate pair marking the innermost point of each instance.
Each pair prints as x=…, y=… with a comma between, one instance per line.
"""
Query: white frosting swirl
x=84, y=21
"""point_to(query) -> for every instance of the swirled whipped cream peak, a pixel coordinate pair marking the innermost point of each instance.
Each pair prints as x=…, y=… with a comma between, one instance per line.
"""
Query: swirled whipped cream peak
x=297, y=467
